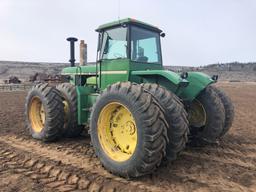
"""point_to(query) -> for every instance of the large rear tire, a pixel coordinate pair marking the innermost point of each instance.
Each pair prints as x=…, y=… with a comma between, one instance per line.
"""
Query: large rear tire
x=128, y=130
x=176, y=117
x=206, y=117
x=69, y=98
x=44, y=112
x=229, y=110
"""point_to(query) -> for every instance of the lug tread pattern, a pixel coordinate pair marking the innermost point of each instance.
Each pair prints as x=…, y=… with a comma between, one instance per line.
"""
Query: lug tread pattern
x=154, y=124
x=71, y=128
x=229, y=109
x=176, y=117
x=53, y=109
x=215, y=114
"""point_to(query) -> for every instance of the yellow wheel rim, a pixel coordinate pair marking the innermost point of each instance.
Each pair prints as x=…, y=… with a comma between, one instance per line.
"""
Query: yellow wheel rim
x=66, y=107
x=66, y=111
x=117, y=131
x=37, y=114
x=197, y=114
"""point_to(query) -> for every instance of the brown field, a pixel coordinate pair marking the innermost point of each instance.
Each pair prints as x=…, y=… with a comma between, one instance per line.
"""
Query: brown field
x=70, y=164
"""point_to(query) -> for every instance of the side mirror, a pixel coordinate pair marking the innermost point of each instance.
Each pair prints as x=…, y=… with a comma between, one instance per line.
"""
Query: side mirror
x=162, y=34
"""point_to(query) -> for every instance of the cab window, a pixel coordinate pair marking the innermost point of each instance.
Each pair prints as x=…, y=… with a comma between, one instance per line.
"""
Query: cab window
x=114, y=44
x=145, y=45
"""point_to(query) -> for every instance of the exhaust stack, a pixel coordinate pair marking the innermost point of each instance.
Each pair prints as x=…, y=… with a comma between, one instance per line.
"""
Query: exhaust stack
x=72, y=41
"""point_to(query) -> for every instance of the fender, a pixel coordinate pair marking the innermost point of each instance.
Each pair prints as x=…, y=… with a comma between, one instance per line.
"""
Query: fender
x=168, y=79
x=197, y=82
x=187, y=89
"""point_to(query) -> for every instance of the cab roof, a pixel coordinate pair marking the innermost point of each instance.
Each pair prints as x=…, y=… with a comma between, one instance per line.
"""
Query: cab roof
x=128, y=21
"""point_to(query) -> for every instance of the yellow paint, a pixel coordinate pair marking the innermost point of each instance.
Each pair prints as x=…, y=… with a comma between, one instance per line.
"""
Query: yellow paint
x=36, y=114
x=117, y=131
x=66, y=112
x=197, y=114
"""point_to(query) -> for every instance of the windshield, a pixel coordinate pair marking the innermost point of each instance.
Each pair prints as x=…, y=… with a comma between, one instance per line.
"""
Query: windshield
x=114, y=44
x=145, y=46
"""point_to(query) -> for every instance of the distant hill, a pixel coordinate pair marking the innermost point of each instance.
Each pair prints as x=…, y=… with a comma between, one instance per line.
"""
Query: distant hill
x=227, y=71
x=234, y=66
x=25, y=69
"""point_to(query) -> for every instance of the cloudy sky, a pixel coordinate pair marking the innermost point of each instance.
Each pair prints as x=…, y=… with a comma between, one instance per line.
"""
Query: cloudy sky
x=198, y=32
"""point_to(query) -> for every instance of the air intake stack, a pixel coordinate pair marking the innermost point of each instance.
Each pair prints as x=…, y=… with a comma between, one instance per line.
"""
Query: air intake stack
x=72, y=41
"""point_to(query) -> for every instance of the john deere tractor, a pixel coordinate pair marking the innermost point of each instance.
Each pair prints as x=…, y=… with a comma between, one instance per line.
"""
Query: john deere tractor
x=138, y=114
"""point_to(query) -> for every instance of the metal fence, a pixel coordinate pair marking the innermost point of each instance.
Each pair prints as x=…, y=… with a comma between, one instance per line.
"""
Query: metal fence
x=14, y=87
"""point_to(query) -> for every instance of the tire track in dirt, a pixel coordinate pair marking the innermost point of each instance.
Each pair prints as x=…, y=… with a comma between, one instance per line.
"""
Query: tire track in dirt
x=242, y=147
x=70, y=155
x=55, y=176
x=215, y=183
x=212, y=174
x=68, y=158
x=223, y=159
x=229, y=166
x=194, y=173
x=245, y=158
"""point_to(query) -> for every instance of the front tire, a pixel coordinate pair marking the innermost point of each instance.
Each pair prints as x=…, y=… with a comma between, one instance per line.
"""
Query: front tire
x=44, y=112
x=206, y=117
x=128, y=130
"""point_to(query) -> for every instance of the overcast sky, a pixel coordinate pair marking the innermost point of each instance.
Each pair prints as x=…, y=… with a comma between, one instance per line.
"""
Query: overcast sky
x=198, y=32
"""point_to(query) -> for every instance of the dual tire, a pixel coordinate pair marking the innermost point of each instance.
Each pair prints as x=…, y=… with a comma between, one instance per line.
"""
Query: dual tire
x=44, y=111
x=52, y=112
x=158, y=117
x=127, y=111
x=210, y=116
x=69, y=98
x=176, y=117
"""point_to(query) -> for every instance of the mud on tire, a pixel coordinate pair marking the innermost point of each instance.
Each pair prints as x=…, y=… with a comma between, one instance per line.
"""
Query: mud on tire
x=151, y=130
x=50, y=100
x=176, y=116
x=69, y=95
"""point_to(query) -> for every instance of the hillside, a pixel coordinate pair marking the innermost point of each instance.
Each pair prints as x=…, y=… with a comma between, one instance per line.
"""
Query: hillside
x=25, y=69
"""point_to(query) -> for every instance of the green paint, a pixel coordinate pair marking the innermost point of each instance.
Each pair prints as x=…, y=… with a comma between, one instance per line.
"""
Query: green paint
x=86, y=99
x=91, y=81
x=90, y=70
x=126, y=21
x=168, y=79
x=197, y=82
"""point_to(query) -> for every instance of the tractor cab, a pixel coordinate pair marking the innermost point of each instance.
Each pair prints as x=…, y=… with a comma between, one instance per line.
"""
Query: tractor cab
x=127, y=45
x=130, y=39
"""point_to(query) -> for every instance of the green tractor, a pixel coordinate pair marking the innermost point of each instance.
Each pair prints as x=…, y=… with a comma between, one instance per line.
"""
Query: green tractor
x=138, y=114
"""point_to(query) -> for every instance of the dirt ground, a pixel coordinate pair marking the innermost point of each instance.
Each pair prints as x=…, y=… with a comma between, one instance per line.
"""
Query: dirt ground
x=70, y=164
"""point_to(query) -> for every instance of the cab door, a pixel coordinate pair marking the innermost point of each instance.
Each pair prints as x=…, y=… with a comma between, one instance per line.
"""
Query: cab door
x=114, y=57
